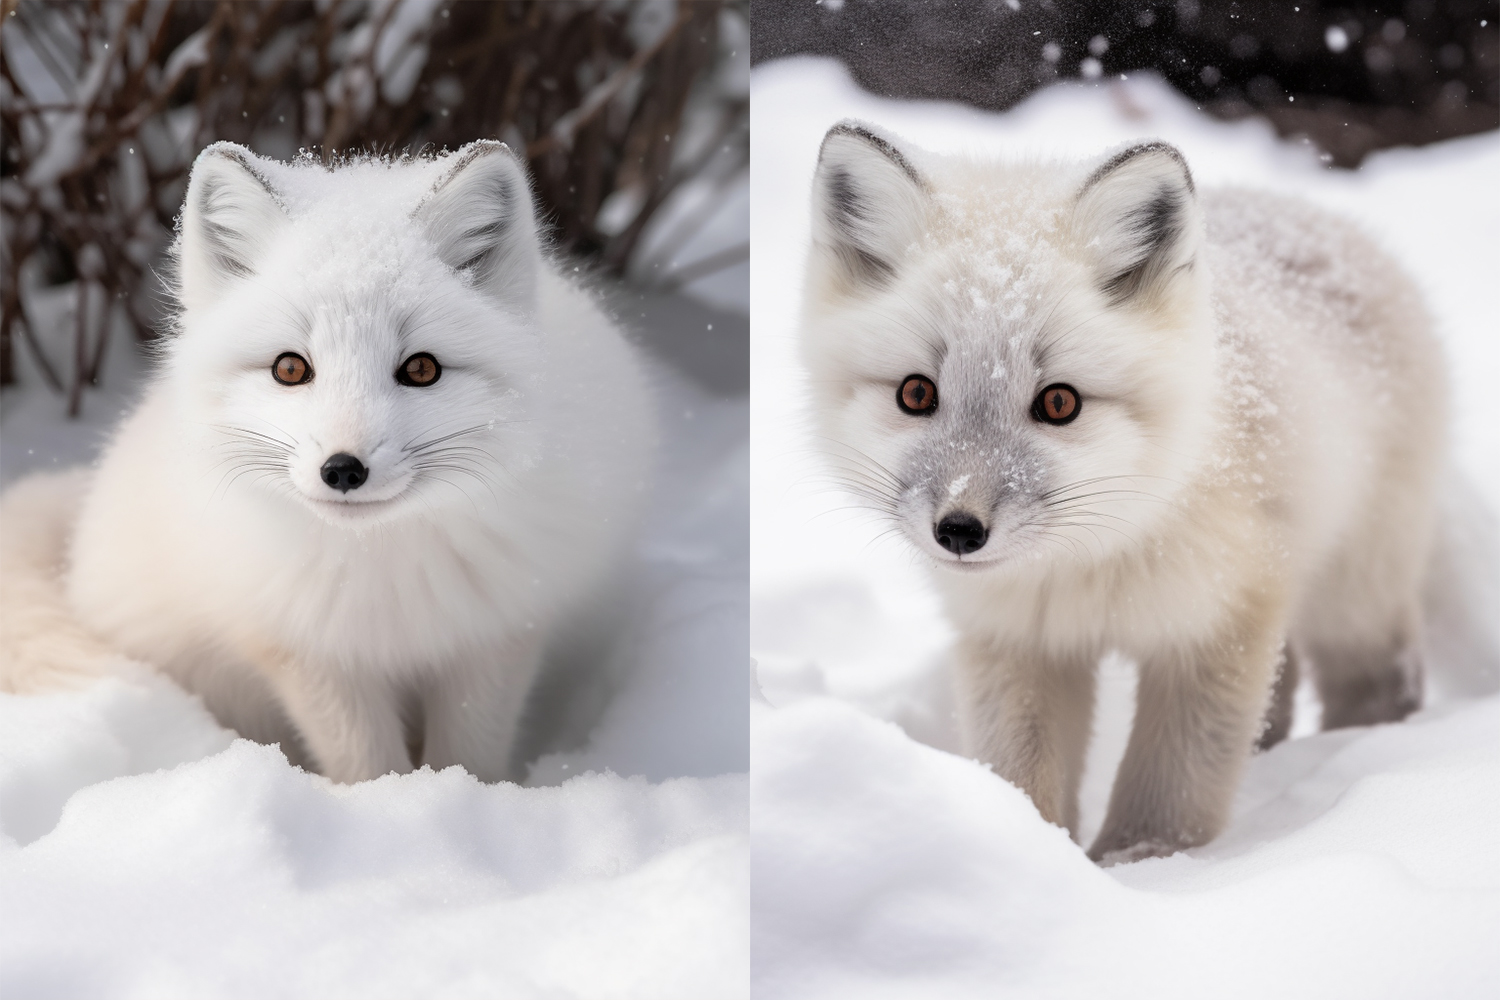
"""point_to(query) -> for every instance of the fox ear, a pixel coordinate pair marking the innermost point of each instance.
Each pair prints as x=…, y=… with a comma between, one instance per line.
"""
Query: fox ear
x=480, y=218
x=1139, y=213
x=869, y=203
x=230, y=217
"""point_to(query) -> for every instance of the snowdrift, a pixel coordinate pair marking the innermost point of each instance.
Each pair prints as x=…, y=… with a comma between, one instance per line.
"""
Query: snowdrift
x=1361, y=863
x=232, y=874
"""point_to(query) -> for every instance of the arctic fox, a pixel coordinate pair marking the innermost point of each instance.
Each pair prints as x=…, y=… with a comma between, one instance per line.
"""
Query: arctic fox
x=389, y=451
x=1116, y=412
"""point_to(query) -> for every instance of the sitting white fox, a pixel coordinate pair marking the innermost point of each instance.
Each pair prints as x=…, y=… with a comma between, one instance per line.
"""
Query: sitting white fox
x=1119, y=413
x=388, y=452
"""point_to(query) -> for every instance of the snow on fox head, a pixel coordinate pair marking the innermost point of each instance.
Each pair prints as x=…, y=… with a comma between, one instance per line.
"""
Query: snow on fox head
x=1013, y=362
x=360, y=339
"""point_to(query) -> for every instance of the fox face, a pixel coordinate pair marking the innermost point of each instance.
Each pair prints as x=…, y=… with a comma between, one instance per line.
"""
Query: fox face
x=1012, y=364
x=360, y=341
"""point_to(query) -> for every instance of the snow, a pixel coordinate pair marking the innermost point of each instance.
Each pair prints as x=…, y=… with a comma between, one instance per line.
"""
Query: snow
x=1357, y=863
x=401, y=51
x=145, y=851
x=718, y=208
x=1362, y=864
x=232, y=874
x=65, y=128
x=191, y=53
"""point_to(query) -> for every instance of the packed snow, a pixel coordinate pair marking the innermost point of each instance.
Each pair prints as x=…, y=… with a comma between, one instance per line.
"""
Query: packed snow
x=145, y=851
x=1360, y=862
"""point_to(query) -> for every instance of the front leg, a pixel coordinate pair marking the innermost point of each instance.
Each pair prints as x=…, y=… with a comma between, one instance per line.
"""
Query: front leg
x=1198, y=712
x=350, y=722
x=1028, y=716
x=473, y=710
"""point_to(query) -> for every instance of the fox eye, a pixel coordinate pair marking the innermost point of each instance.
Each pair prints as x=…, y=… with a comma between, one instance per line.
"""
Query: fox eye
x=917, y=395
x=1057, y=404
x=291, y=369
x=419, y=369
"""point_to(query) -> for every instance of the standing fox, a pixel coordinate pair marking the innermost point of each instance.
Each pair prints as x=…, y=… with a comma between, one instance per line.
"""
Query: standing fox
x=388, y=454
x=1115, y=412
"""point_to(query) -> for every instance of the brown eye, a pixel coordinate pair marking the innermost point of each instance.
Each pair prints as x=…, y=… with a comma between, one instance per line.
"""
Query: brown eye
x=917, y=395
x=419, y=369
x=1056, y=404
x=291, y=369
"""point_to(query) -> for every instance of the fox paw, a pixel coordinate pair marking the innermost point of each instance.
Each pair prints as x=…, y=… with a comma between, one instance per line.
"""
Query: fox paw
x=1139, y=851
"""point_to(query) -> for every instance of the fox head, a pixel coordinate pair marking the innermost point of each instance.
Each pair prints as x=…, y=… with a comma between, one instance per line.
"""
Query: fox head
x=363, y=340
x=1012, y=362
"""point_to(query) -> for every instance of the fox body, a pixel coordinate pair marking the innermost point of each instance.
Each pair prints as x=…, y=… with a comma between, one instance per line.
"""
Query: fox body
x=1115, y=412
x=388, y=454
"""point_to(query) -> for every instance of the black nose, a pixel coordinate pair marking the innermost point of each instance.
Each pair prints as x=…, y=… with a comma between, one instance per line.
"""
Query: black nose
x=345, y=472
x=961, y=534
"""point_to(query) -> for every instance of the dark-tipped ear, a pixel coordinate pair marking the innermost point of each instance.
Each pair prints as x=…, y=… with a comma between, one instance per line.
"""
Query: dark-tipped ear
x=230, y=217
x=480, y=218
x=1138, y=213
x=869, y=203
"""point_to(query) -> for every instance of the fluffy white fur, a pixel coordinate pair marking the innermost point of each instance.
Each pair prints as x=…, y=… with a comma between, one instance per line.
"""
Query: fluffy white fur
x=400, y=622
x=1250, y=480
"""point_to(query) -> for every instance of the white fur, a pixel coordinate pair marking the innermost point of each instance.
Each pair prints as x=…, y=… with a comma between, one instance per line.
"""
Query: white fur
x=42, y=646
x=348, y=625
x=1255, y=460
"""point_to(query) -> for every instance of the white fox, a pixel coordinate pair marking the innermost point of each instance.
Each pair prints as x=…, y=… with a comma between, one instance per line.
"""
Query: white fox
x=389, y=452
x=1205, y=429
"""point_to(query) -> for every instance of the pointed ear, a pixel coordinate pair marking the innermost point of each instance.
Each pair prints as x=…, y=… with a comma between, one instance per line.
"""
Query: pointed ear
x=480, y=218
x=1138, y=213
x=869, y=204
x=230, y=218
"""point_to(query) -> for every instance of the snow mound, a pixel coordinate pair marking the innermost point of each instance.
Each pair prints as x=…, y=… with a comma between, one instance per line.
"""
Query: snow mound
x=187, y=864
x=1362, y=863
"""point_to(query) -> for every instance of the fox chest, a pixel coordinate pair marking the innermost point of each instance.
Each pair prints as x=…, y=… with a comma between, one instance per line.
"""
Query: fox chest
x=1135, y=607
x=397, y=605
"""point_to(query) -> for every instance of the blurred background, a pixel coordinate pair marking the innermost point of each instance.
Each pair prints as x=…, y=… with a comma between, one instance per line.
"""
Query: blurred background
x=1349, y=78
x=632, y=115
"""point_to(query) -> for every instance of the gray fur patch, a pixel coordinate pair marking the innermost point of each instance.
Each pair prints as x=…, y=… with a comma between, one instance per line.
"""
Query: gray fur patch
x=848, y=210
x=222, y=243
x=1154, y=227
x=1120, y=159
x=887, y=150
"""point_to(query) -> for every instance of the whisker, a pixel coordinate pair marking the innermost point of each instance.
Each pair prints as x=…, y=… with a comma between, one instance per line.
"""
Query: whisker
x=248, y=433
x=1100, y=479
x=408, y=448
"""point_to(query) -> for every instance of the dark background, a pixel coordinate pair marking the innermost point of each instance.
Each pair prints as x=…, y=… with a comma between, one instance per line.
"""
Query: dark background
x=1351, y=77
x=104, y=104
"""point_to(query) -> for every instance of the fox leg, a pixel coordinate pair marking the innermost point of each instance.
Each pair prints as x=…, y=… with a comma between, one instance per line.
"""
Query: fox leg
x=350, y=723
x=473, y=712
x=1365, y=684
x=1280, y=711
x=1029, y=717
x=1198, y=711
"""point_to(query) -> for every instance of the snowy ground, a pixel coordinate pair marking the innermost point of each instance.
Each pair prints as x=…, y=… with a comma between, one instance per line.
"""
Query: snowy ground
x=1358, y=863
x=145, y=852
